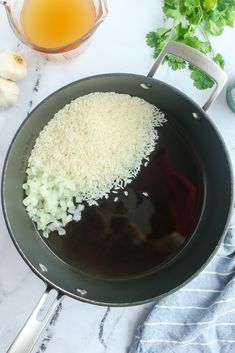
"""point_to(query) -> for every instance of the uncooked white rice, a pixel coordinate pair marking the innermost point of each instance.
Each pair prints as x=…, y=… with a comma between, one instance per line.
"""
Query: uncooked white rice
x=93, y=145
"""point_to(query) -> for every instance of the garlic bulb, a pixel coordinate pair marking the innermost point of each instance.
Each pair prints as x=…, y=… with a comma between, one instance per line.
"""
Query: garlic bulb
x=12, y=66
x=8, y=93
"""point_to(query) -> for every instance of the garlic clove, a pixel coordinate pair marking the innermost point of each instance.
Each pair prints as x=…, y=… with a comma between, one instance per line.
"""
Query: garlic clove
x=8, y=93
x=12, y=66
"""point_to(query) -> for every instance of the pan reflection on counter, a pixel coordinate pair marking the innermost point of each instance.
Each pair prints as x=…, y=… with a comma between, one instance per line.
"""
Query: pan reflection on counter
x=137, y=228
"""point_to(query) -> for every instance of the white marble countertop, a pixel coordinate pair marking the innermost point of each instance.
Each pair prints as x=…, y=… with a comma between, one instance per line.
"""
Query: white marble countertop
x=118, y=46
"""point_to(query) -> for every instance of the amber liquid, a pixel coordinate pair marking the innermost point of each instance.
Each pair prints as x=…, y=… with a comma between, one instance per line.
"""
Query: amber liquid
x=151, y=220
x=55, y=23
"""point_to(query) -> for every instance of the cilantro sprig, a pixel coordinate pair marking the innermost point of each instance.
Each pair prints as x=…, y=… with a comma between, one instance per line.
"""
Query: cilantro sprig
x=192, y=23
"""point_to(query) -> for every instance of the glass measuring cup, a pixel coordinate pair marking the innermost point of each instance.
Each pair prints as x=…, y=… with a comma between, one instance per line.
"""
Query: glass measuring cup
x=68, y=50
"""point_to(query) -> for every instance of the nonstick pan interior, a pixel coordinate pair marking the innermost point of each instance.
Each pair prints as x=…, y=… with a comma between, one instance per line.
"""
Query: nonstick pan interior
x=189, y=146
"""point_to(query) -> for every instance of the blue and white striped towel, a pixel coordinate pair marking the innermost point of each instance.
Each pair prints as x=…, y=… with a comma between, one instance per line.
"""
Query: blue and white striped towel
x=200, y=317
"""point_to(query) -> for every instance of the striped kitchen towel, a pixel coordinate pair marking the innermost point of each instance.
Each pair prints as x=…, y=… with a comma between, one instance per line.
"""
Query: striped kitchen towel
x=200, y=317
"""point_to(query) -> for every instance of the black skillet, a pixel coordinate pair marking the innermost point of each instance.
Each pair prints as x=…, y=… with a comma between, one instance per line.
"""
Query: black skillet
x=187, y=191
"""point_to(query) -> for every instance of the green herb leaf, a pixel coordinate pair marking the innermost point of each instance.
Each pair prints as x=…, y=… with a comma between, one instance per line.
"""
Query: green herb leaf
x=158, y=39
x=171, y=9
x=192, y=10
x=175, y=63
x=230, y=18
x=218, y=59
x=182, y=29
x=151, y=39
x=209, y=4
x=225, y=4
x=214, y=29
x=193, y=41
x=201, y=80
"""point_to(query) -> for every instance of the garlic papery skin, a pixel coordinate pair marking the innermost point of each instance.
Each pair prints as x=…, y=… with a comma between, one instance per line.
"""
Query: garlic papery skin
x=12, y=66
x=8, y=93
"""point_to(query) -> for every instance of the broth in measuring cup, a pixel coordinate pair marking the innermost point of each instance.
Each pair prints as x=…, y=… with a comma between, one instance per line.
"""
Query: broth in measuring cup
x=53, y=23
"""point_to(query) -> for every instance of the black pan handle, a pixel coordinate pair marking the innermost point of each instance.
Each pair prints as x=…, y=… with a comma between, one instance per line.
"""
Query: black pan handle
x=28, y=336
x=196, y=58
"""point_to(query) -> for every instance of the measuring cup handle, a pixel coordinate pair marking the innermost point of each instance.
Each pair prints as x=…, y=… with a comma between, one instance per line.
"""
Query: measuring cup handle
x=196, y=58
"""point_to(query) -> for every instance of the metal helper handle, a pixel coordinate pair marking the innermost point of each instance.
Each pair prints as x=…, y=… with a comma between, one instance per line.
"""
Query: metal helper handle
x=196, y=58
x=30, y=333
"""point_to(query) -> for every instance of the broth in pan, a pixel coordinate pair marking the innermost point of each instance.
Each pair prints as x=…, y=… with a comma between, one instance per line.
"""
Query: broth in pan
x=143, y=225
